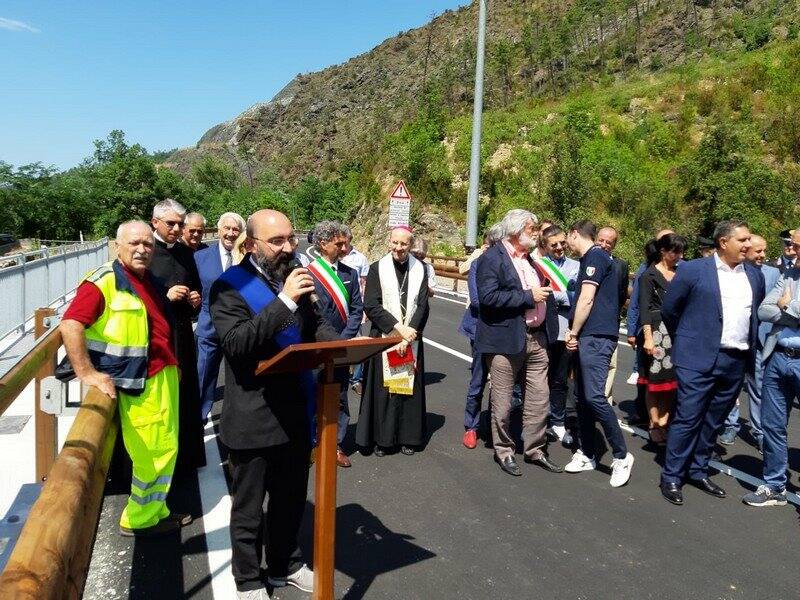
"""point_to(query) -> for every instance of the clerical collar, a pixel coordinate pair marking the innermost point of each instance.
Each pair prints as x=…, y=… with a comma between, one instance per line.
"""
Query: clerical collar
x=158, y=237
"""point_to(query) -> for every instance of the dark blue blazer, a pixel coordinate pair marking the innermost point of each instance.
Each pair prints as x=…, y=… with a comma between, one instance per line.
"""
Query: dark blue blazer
x=209, y=266
x=692, y=313
x=469, y=322
x=501, y=323
x=348, y=329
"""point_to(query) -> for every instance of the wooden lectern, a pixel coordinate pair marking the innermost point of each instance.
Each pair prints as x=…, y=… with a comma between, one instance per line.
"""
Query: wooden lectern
x=329, y=355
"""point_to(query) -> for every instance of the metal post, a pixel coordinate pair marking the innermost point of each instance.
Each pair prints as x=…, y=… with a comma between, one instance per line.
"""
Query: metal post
x=46, y=425
x=477, y=122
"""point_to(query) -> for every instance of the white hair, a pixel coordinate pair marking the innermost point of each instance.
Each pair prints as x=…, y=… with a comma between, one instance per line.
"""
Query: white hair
x=195, y=215
x=515, y=220
x=494, y=234
x=168, y=205
x=231, y=215
x=128, y=224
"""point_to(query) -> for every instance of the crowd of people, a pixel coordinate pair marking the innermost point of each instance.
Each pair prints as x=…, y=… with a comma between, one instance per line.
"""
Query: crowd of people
x=703, y=329
x=152, y=327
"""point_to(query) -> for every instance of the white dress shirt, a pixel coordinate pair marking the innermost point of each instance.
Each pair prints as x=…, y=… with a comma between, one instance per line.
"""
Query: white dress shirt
x=223, y=256
x=737, y=305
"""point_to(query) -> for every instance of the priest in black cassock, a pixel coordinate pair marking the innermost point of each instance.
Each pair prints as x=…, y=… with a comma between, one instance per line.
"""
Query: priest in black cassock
x=392, y=409
x=173, y=264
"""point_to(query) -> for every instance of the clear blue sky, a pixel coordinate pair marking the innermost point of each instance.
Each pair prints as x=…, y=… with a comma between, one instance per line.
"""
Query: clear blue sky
x=165, y=71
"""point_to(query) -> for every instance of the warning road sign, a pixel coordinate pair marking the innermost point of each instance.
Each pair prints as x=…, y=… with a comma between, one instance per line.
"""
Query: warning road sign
x=399, y=205
x=400, y=192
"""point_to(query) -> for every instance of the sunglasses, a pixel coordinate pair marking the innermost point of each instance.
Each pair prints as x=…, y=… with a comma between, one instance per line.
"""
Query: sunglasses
x=172, y=224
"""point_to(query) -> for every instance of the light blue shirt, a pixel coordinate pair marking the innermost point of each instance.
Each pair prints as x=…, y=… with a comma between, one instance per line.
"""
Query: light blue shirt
x=570, y=269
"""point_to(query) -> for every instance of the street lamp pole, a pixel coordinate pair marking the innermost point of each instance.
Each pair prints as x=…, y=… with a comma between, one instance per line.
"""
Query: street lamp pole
x=477, y=121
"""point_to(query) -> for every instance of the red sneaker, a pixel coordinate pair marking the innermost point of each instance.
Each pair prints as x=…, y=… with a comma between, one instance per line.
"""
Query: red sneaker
x=470, y=438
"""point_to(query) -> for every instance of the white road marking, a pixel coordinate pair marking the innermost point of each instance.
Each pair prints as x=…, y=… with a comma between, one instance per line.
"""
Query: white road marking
x=462, y=303
x=444, y=348
x=216, y=503
x=714, y=464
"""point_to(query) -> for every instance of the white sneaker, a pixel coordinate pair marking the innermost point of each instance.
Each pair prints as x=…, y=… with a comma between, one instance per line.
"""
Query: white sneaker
x=302, y=579
x=621, y=470
x=562, y=434
x=579, y=463
x=259, y=594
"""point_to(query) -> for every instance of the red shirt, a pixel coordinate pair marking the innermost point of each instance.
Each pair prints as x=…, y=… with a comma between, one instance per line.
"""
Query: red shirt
x=89, y=304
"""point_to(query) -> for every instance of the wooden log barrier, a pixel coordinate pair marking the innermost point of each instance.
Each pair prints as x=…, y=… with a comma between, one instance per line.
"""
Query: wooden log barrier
x=51, y=558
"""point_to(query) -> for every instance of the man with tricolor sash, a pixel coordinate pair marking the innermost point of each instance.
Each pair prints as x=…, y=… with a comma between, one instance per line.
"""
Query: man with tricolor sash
x=337, y=287
x=561, y=271
x=258, y=308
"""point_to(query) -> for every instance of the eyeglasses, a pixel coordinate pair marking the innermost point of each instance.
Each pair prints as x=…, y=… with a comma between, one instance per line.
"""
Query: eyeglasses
x=279, y=242
x=194, y=231
x=557, y=244
x=172, y=224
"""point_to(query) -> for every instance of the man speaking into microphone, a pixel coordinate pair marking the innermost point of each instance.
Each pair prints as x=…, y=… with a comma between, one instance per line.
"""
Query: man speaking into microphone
x=258, y=308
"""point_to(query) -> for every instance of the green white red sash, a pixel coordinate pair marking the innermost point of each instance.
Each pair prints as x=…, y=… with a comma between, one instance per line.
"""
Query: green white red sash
x=548, y=269
x=329, y=280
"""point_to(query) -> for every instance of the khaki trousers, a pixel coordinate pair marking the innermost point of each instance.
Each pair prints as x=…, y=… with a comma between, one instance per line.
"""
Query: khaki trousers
x=529, y=368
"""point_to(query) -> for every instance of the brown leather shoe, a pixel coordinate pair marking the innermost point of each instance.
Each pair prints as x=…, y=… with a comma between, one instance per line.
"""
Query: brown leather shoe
x=341, y=459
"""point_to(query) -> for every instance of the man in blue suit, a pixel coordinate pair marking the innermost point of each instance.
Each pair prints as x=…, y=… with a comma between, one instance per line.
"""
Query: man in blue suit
x=710, y=310
x=469, y=323
x=339, y=291
x=517, y=320
x=211, y=263
x=756, y=256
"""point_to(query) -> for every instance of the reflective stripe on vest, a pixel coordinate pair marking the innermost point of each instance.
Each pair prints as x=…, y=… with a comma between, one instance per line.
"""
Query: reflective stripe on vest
x=118, y=340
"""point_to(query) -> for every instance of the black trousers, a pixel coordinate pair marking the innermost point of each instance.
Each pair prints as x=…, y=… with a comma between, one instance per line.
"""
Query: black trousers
x=561, y=405
x=282, y=473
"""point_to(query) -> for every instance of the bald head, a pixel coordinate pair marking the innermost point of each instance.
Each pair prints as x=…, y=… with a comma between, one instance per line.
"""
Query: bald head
x=607, y=239
x=757, y=253
x=266, y=222
x=400, y=241
x=135, y=246
x=273, y=241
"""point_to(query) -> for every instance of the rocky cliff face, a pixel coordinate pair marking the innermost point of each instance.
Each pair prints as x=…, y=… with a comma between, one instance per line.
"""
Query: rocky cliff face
x=318, y=118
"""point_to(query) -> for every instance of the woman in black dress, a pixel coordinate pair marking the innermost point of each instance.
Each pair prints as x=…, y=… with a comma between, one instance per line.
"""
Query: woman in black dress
x=663, y=256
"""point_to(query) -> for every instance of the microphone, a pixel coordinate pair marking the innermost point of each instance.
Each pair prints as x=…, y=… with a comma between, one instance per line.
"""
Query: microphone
x=295, y=264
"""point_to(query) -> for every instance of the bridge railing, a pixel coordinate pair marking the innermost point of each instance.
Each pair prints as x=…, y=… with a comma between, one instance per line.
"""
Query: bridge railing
x=51, y=556
x=44, y=277
x=447, y=268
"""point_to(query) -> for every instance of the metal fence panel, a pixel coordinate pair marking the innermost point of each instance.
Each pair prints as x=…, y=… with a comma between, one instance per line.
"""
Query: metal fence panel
x=43, y=278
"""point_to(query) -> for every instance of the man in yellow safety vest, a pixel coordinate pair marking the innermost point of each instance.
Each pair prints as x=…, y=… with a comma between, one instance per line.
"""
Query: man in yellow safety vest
x=117, y=333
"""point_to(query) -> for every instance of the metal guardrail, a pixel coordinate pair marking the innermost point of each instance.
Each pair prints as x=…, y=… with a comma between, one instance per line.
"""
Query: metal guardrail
x=51, y=557
x=44, y=277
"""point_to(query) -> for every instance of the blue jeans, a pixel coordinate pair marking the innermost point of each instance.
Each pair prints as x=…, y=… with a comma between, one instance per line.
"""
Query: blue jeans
x=209, y=357
x=477, y=383
x=358, y=374
x=781, y=387
x=594, y=359
x=704, y=400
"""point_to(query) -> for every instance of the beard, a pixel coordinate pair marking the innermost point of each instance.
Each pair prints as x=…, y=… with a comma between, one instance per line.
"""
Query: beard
x=277, y=267
x=527, y=241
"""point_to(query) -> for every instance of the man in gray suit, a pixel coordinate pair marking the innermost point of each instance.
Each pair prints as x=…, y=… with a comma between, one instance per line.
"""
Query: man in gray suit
x=781, y=354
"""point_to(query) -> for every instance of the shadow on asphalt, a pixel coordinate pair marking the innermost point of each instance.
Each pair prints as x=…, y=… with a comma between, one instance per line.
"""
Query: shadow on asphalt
x=365, y=547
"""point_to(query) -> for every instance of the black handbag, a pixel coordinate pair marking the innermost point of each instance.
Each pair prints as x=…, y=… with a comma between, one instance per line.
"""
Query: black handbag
x=64, y=371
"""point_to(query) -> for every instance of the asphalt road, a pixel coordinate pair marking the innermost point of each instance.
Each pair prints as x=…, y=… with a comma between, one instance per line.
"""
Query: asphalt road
x=448, y=523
